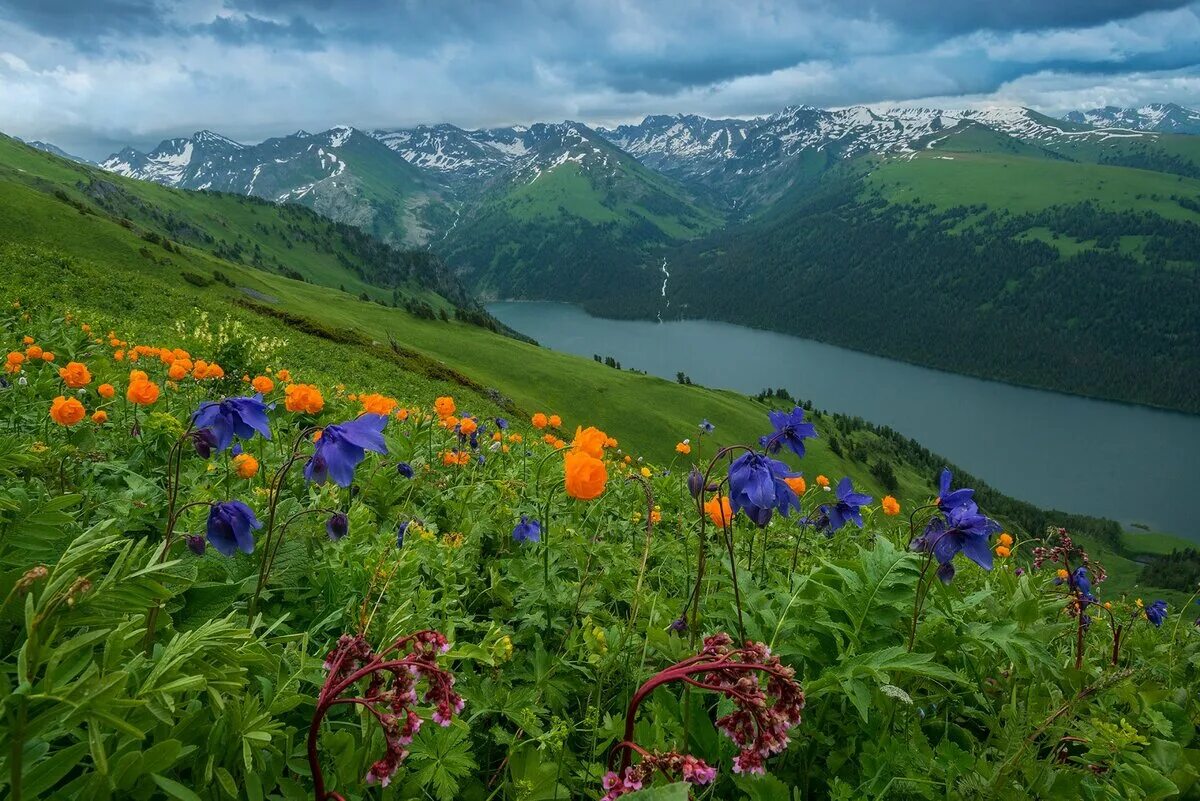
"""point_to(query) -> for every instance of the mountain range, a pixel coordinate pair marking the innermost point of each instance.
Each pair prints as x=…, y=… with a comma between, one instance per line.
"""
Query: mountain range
x=984, y=218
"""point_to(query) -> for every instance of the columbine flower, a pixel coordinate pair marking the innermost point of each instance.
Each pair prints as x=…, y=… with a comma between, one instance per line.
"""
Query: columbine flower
x=706, y=427
x=695, y=482
x=963, y=530
x=1156, y=612
x=343, y=446
x=405, y=469
x=502, y=423
x=527, y=530
x=240, y=417
x=757, y=485
x=948, y=499
x=230, y=527
x=195, y=543
x=790, y=430
x=846, y=509
x=337, y=526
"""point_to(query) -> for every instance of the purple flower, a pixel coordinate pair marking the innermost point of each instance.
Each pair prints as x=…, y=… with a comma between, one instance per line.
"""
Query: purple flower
x=240, y=417
x=501, y=423
x=230, y=527
x=405, y=469
x=757, y=486
x=337, y=526
x=527, y=530
x=790, y=430
x=706, y=427
x=1156, y=612
x=948, y=499
x=695, y=482
x=963, y=530
x=195, y=543
x=400, y=531
x=204, y=441
x=678, y=625
x=846, y=509
x=342, y=447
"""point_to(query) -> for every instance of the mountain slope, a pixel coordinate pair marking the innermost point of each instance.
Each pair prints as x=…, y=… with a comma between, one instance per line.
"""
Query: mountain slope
x=343, y=173
x=1157, y=117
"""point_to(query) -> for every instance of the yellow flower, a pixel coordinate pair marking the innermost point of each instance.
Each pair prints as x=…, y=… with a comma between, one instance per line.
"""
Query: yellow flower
x=646, y=472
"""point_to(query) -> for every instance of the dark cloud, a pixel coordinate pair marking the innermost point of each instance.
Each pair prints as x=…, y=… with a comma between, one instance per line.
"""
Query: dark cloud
x=948, y=16
x=296, y=31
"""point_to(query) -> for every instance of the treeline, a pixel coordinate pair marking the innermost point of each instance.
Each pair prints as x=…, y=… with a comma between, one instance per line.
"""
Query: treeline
x=1178, y=570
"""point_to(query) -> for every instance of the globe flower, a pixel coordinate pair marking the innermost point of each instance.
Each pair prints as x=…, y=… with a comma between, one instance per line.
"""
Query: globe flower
x=337, y=526
x=284, y=375
x=467, y=426
x=177, y=372
x=245, y=465
x=75, y=375
x=262, y=384
x=719, y=511
x=847, y=508
x=230, y=527
x=583, y=475
x=757, y=486
x=343, y=446
x=47, y=356
x=34, y=351
x=684, y=447
x=797, y=484
x=555, y=421
x=891, y=506
x=1156, y=612
x=444, y=406
x=240, y=417
x=378, y=404
x=527, y=530
x=822, y=482
x=538, y=421
x=13, y=362
x=303, y=398
x=790, y=430
x=1005, y=539
x=947, y=499
x=100, y=417
x=1003, y=551
x=142, y=392
x=590, y=440
x=66, y=411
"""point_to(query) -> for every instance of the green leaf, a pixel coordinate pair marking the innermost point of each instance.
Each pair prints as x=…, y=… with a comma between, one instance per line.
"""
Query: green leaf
x=174, y=788
x=49, y=771
x=669, y=792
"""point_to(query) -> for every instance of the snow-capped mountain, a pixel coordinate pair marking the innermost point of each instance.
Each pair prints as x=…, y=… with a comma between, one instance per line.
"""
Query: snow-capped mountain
x=1158, y=117
x=55, y=150
x=684, y=142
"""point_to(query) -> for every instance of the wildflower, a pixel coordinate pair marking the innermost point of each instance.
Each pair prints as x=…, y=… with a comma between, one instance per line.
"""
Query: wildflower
x=1082, y=583
x=589, y=440
x=646, y=473
x=177, y=372
x=847, y=507
x=245, y=465
x=1156, y=612
x=337, y=526
x=757, y=486
x=947, y=500
x=964, y=530
x=555, y=421
x=719, y=511
x=1005, y=539
x=284, y=375
x=75, y=375
x=34, y=352
x=706, y=427
x=891, y=506
x=28, y=340
x=230, y=527
x=47, y=356
x=467, y=426
x=1003, y=551
x=538, y=421
x=797, y=484
x=66, y=411
x=678, y=625
x=405, y=469
x=444, y=406
x=240, y=417
x=377, y=404
x=343, y=446
x=303, y=398
x=584, y=475
x=195, y=543
x=106, y=391
x=99, y=417
x=118, y=356
x=822, y=482
x=684, y=447
x=655, y=516
x=695, y=482
x=501, y=423
x=13, y=362
x=142, y=392
x=790, y=430
x=527, y=530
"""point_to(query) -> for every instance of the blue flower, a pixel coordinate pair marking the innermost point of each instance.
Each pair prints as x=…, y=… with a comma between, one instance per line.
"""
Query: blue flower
x=240, y=417
x=204, y=442
x=947, y=499
x=230, y=527
x=790, y=430
x=695, y=482
x=501, y=423
x=757, y=486
x=1156, y=612
x=405, y=469
x=1081, y=583
x=963, y=530
x=678, y=625
x=400, y=532
x=342, y=447
x=706, y=427
x=527, y=530
x=846, y=509
x=337, y=526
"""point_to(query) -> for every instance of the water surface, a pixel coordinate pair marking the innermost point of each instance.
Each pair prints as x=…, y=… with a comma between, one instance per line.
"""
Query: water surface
x=1129, y=463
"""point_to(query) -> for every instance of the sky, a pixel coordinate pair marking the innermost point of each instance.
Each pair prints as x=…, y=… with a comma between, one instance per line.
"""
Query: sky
x=95, y=75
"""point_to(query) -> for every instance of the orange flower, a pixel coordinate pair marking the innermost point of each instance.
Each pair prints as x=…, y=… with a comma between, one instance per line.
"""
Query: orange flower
x=402, y=414
x=284, y=375
x=245, y=465
x=891, y=506
x=584, y=475
x=66, y=411
x=118, y=356
x=377, y=404
x=589, y=440
x=548, y=439
x=137, y=375
x=719, y=511
x=468, y=426
x=555, y=421
x=1062, y=574
x=515, y=438
x=28, y=340
x=822, y=481
x=12, y=362
x=47, y=356
x=559, y=444
x=34, y=351
x=1003, y=551
x=683, y=447
x=797, y=484
x=303, y=398
x=215, y=371
x=538, y=421
x=142, y=392
x=177, y=372
x=444, y=406
x=262, y=384
x=99, y=417
x=1006, y=539
x=75, y=375
x=610, y=443
x=106, y=390
x=655, y=516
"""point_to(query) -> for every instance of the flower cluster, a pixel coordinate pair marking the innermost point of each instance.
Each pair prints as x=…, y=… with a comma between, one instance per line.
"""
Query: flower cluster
x=671, y=765
x=957, y=527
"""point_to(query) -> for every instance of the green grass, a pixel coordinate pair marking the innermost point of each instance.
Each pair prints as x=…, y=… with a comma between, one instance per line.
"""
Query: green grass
x=1154, y=543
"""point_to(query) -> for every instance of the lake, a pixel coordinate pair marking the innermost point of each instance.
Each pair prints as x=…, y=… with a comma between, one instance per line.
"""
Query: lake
x=1128, y=463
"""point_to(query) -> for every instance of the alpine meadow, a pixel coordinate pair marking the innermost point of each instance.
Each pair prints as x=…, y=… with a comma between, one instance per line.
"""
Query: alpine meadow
x=312, y=486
